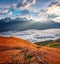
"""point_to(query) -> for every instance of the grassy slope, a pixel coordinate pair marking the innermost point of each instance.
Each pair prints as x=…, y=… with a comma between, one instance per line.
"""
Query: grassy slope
x=50, y=43
x=17, y=51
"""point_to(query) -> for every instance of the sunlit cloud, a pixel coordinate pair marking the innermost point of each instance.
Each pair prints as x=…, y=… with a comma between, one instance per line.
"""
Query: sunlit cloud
x=25, y=3
x=10, y=14
x=57, y=19
x=3, y=11
x=31, y=9
x=55, y=2
x=54, y=10
x=20, y=8
x=40, y=17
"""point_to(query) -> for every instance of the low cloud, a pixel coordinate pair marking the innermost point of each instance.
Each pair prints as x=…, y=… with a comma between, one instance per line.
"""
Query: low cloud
x=34, y=35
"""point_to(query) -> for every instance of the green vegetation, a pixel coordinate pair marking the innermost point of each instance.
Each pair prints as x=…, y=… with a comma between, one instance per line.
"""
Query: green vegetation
x=57, y=45
x=50, y=43
x=29, y=57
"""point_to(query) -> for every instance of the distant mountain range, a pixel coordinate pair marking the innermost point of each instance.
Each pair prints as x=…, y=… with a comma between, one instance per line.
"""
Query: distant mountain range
x=7, y=19
x=21, y=24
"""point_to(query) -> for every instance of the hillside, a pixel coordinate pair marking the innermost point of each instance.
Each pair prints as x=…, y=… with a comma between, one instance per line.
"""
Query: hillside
x=50, y=43
x=18, y=51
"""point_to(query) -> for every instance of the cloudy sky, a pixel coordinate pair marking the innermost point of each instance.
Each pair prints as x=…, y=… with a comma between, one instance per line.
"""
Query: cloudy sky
x=39, y=10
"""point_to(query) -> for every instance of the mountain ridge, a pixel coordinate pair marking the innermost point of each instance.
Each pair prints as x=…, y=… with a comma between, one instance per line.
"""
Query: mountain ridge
x=23, y=24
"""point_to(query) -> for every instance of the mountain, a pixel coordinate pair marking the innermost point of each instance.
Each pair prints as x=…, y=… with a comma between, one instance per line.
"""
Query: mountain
x=18, y=51
x=21, y=24
x=8, y=19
